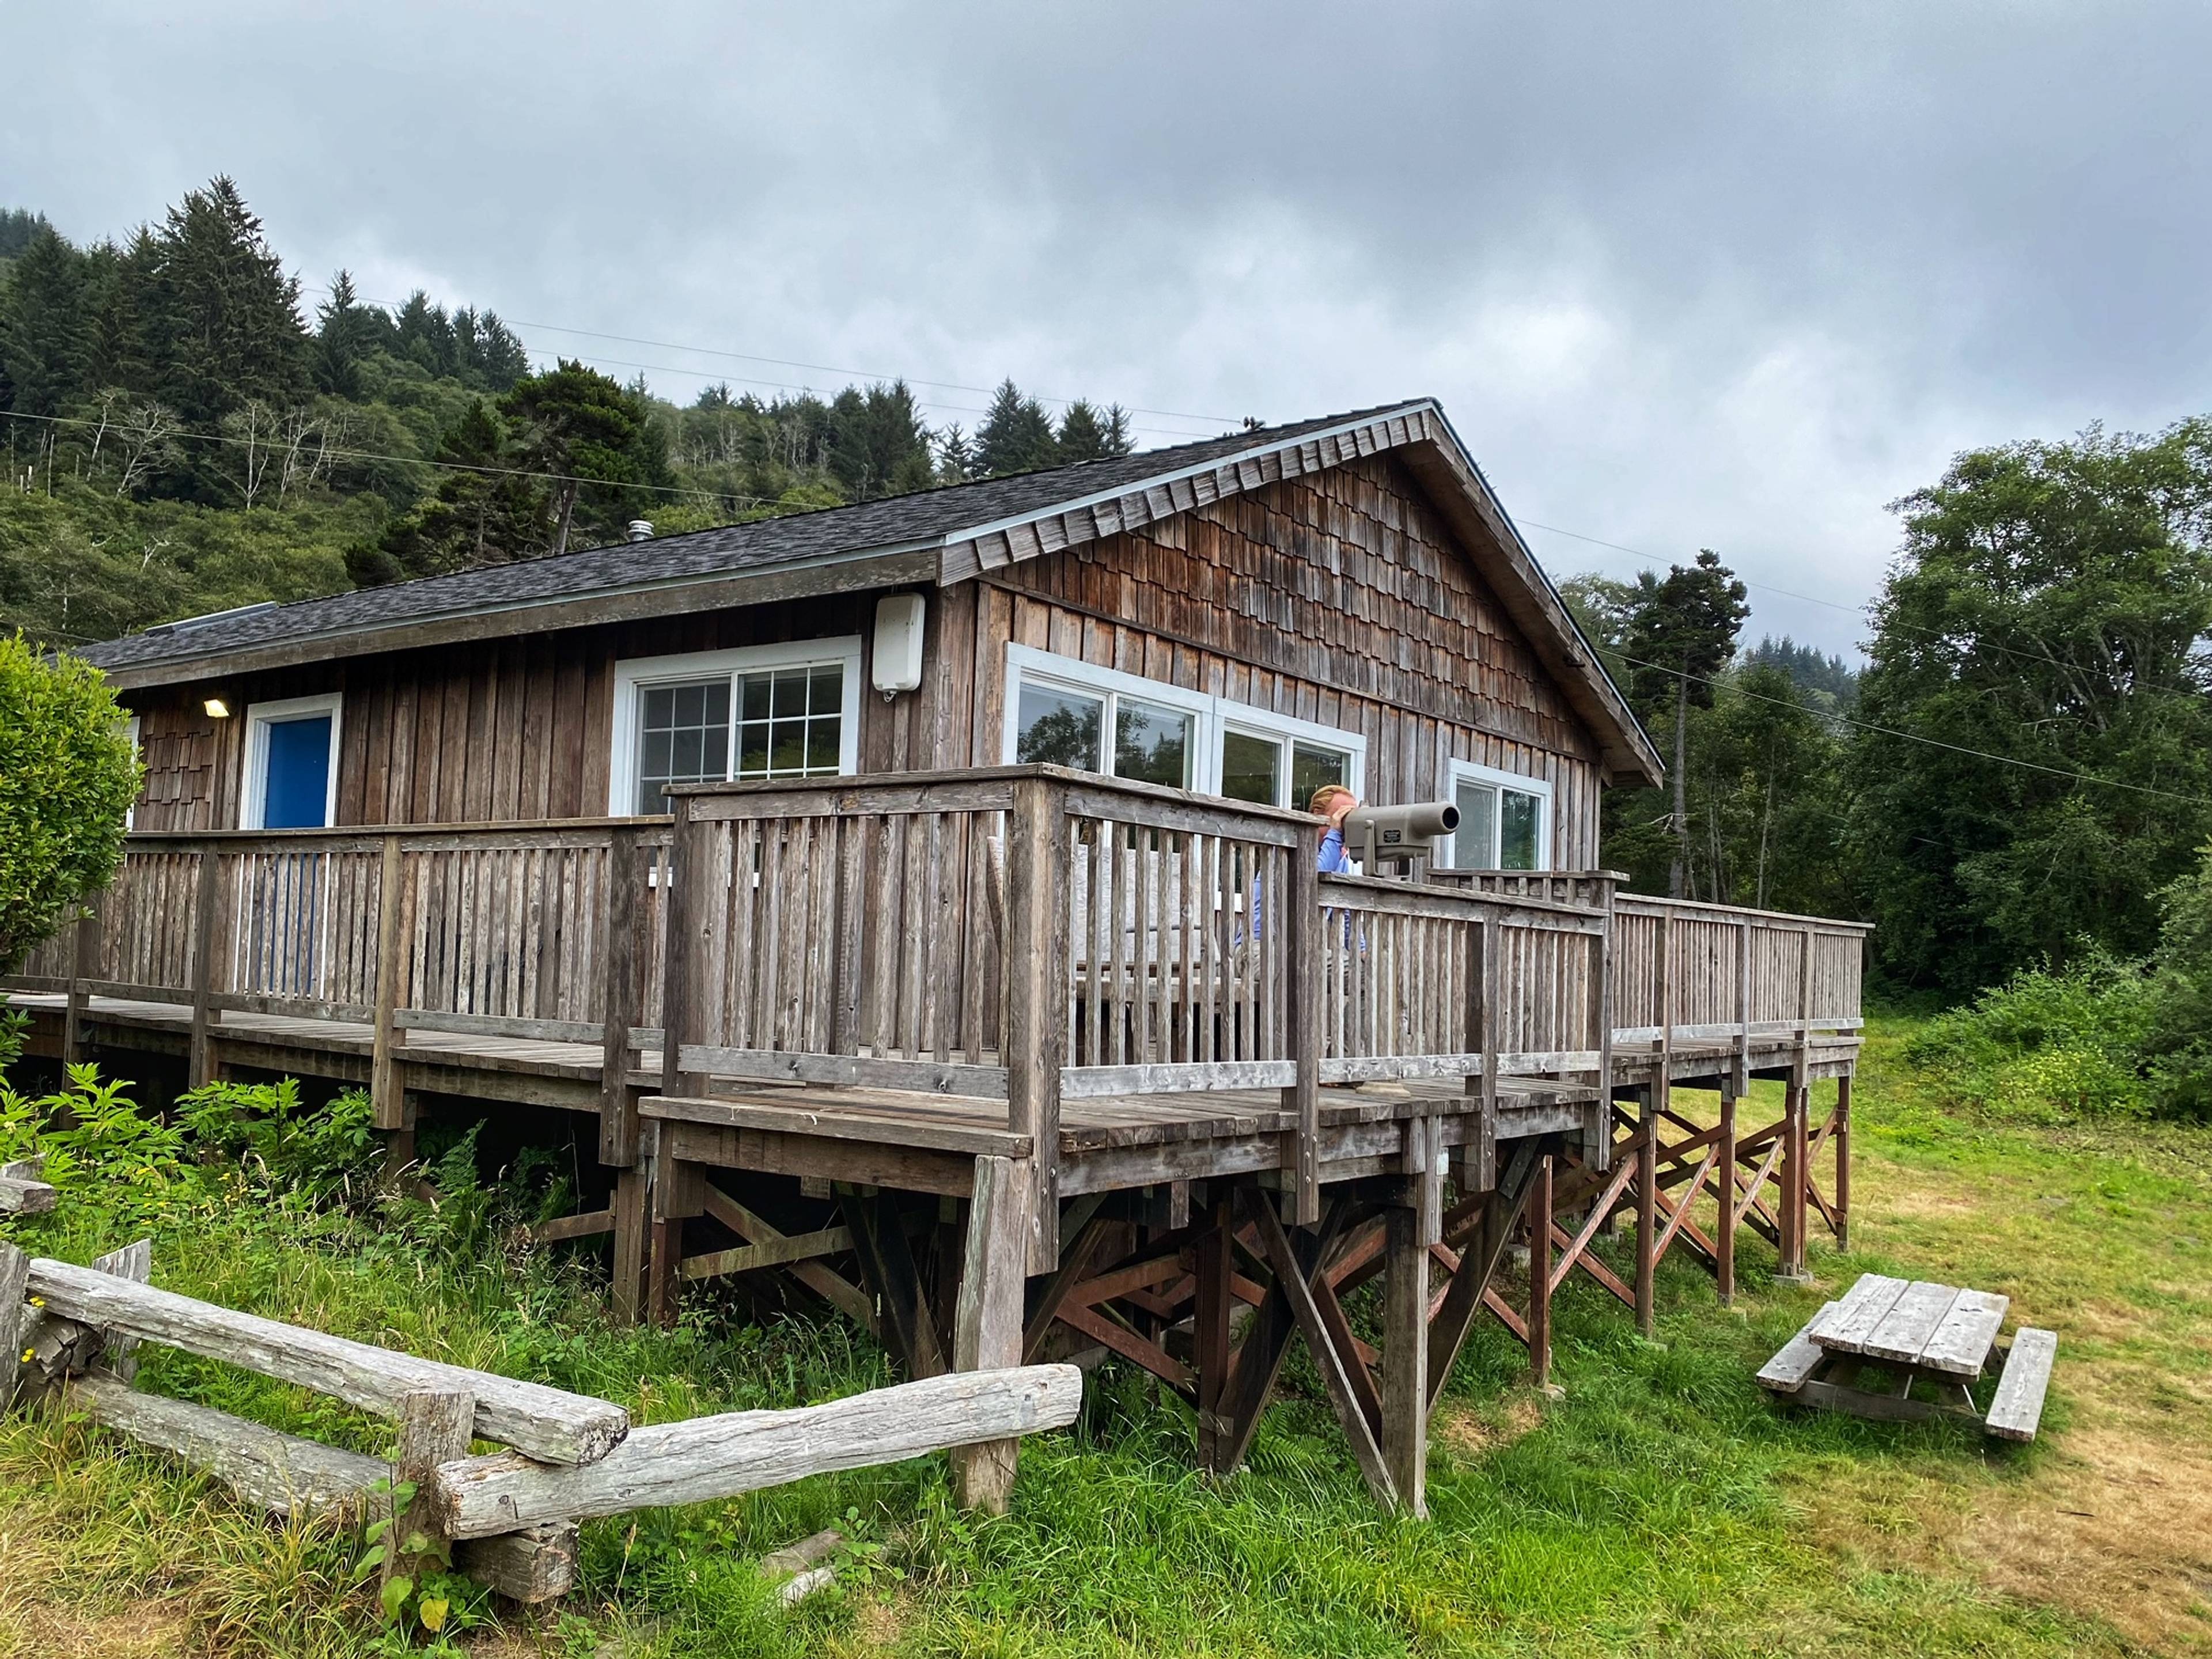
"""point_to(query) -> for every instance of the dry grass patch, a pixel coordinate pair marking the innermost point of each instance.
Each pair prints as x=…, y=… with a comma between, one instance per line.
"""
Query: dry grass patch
x=1470, y=1431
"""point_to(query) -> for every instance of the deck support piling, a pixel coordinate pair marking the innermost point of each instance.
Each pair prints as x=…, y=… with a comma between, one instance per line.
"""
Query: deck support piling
x=633, y=1227
x=1647, y=1206
x=1730, y=1204
x=1843, y=1139
x=1405, y=1357
x=1792, y=1206
x=987, y=1318
x=1215, y=1260
x=1539, y=1316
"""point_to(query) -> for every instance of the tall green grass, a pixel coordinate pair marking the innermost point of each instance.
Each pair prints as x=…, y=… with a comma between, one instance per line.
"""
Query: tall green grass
x=1655, y=1508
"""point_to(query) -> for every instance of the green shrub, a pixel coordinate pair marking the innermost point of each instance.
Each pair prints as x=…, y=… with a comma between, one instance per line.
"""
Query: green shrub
x=325, y=1153
x=68, y=776
x=2098, y=1037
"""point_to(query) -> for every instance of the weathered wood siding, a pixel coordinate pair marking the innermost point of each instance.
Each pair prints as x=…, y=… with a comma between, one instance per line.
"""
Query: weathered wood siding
x=1341, y=599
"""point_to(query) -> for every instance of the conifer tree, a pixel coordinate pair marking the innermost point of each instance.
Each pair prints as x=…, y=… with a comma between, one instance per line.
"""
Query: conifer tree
x=1016, y=436
x=44, y=339
x=228, y=319
x=345, y=333
x=1681, y=635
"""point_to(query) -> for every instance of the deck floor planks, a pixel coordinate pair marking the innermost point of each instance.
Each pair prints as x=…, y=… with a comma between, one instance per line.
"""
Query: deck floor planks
x=1090, y=1125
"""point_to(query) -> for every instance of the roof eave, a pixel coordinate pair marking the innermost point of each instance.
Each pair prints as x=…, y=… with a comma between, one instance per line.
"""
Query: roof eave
x=862, y=569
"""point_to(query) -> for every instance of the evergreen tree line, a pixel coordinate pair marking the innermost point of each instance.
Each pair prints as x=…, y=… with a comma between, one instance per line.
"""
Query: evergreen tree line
x=170, y=387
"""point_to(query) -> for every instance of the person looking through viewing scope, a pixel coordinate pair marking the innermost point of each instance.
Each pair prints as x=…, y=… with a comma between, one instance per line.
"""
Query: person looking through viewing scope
x=1333, y=801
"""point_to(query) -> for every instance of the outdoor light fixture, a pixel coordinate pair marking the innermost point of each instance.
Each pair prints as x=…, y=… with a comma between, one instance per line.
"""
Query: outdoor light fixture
x=218, y=708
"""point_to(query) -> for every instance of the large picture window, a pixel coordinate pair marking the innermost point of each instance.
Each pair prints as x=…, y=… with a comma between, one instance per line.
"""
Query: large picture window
x=1067, y=713
x=1111, y=728
x=772, y=711
x=1504, y=819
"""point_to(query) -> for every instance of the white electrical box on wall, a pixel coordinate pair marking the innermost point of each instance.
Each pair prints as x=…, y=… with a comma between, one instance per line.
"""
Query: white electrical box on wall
x=898, y=644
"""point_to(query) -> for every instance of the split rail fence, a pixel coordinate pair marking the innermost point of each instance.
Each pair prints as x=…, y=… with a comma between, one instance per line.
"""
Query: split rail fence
x=507, y=1517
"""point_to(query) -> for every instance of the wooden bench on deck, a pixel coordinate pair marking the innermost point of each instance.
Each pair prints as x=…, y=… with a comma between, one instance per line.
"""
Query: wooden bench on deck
x=1915, y=1331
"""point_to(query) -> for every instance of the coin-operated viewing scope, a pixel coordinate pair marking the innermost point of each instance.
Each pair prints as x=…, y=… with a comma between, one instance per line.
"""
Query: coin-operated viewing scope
x=1397, y=834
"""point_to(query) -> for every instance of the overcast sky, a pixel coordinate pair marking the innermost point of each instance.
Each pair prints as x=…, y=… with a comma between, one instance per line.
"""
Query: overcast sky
x=1682, y=275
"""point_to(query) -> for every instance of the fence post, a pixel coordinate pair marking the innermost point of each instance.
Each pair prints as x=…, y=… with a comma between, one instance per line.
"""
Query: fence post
x=1302, y=1014
x=200, y=1066
x=387, y=1109
x=1035, y=972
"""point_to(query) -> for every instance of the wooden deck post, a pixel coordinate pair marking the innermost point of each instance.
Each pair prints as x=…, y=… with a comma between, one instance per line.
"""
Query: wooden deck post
x=1210, y=1332
x=1647, y=1202
x=986, y=1322
x=678, y=1192
x=633, y=1231
x=1405, y=1357
x=1539, y=1273
x=200, y=1063
x=84, y=955
x=1741, y=1070
x=1302, y=943
x=1597, y=1141
x=1843, y=1139
x=1792, y=1264
x=624, y=903
x=1485, y=981
x=1036, y=975
x=1725, y=1190
x=385, y=1109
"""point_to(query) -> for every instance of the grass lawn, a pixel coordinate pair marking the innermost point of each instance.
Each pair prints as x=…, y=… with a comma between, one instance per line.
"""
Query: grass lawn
x=1663, y=1505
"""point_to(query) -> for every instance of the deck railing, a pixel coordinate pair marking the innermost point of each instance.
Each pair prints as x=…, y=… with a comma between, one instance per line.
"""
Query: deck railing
x=1024, y=934
x=549, y=931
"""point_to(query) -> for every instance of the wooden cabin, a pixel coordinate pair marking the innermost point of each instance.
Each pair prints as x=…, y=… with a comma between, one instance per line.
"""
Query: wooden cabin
x=938, y=857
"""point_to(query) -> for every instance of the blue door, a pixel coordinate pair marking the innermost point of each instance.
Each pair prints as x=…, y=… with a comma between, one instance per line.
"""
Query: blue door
x=298, y=792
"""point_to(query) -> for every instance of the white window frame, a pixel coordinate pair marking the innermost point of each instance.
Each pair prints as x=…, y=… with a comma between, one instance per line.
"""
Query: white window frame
x=253, y=803
x=1461, y=771
x=1212, y=716
x=1027, y=664
x=130, y=726
x=841, y=651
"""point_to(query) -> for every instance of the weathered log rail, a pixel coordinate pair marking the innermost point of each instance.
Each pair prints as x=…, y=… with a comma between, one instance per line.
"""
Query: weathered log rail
x=507, y=1518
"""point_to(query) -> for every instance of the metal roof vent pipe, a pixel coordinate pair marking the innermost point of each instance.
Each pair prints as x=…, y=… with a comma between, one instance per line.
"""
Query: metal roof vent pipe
x=640, y=529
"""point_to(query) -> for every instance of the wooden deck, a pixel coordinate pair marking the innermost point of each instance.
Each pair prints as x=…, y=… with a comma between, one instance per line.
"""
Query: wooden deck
x=1159, y=1064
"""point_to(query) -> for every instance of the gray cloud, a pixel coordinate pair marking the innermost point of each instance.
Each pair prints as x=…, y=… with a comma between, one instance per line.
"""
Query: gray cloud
x=1733, y=276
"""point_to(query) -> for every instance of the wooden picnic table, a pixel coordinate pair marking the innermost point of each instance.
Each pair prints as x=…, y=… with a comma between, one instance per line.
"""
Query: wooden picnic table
x=1912, y=1333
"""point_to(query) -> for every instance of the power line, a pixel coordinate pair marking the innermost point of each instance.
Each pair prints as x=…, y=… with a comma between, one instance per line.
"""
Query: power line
x=1914, y=737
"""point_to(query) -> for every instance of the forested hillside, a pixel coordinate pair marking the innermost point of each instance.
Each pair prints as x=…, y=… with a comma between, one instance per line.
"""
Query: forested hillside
x=185, y=433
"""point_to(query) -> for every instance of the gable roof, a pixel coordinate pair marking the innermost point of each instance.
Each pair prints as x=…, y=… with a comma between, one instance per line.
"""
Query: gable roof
x=939, y=535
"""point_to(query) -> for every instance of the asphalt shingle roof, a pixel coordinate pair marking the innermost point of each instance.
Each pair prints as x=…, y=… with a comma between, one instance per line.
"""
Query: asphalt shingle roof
x=894, y=522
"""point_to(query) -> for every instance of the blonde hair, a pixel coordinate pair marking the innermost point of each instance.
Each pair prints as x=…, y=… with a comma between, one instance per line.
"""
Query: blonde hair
x=1319, y=804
